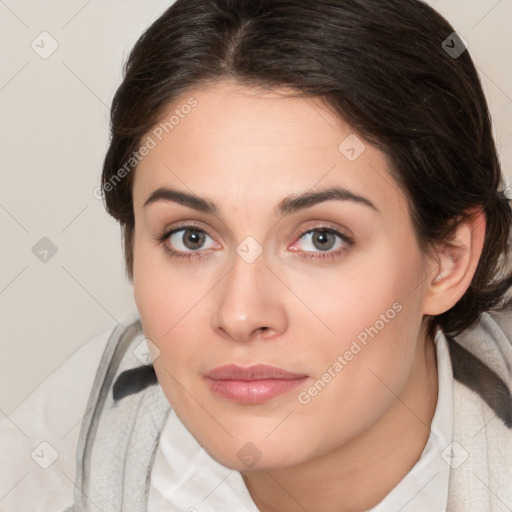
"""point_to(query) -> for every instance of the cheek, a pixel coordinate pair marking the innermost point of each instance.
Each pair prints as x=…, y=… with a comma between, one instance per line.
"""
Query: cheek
x=152, y=289
x=360, y=372
x=345, y=302
x=374, y=313
x=167, y=302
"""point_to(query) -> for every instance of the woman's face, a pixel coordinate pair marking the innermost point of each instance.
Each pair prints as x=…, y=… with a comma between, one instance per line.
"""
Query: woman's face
x=328, y=288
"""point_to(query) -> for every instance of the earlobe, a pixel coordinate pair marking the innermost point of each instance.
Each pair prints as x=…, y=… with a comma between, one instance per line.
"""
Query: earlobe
x=456, y=265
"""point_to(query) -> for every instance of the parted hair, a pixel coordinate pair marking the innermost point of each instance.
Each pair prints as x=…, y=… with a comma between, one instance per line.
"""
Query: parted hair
x=383, y=66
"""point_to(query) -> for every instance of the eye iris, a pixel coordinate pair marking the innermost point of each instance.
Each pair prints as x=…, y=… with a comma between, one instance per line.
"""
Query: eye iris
x=322, y=237
x=196, y=239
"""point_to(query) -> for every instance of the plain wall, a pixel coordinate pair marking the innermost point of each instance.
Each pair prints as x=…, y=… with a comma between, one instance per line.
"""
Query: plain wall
x=54, y=133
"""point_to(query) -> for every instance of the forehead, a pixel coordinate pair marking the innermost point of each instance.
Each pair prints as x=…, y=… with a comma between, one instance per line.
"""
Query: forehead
x=231, y=115
x=233, y=141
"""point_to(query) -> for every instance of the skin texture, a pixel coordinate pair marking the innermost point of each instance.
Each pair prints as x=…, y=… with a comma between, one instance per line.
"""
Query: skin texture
x=246, y=151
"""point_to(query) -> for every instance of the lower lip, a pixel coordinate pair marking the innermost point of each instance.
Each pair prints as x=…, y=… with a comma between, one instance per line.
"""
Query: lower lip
x=253, y=391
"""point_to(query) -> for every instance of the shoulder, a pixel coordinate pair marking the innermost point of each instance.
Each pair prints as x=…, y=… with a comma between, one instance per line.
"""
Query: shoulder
x=490, y=340
x=127, y=412
x=482, y=361
x=38, y=440
x=481, y=474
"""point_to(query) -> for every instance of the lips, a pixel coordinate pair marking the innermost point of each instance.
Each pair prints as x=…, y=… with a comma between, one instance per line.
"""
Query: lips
x=253, y=385
x=256, y=372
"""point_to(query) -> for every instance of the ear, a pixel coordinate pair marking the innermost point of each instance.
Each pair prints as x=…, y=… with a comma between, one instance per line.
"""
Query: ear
x=451, y=275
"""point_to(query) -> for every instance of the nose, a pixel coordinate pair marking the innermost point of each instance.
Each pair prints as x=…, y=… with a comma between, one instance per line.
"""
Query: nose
x=250, y=302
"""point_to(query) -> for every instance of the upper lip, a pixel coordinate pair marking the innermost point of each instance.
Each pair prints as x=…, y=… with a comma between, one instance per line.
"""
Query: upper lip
x=256, y=372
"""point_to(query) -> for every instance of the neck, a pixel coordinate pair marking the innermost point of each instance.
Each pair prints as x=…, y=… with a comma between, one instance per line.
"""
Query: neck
x=359, y=474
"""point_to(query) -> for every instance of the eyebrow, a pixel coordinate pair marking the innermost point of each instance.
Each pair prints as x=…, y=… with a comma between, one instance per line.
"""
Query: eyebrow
x=288, y=205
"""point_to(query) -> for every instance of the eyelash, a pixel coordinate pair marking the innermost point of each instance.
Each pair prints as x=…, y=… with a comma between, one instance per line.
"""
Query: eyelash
x=162, y=238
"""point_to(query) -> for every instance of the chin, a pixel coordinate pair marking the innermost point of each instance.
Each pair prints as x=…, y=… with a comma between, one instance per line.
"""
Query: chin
x=243, y=454
x=250, y=458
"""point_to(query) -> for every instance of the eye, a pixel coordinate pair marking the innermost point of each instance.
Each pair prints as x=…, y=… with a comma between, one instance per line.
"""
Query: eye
x=324, y=240
x=189, y=242
x=186, y=239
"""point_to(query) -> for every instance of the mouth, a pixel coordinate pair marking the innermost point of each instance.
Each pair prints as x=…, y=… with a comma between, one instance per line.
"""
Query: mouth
x=253, y=385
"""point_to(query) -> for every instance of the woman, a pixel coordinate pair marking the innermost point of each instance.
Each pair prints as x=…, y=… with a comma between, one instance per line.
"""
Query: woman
x=315, y=226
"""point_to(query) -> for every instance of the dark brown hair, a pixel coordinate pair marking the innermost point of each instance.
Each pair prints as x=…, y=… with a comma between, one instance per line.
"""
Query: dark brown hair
x=384, y=66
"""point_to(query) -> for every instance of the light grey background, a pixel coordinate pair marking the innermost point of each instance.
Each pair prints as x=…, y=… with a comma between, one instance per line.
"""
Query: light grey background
x=54, y=133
